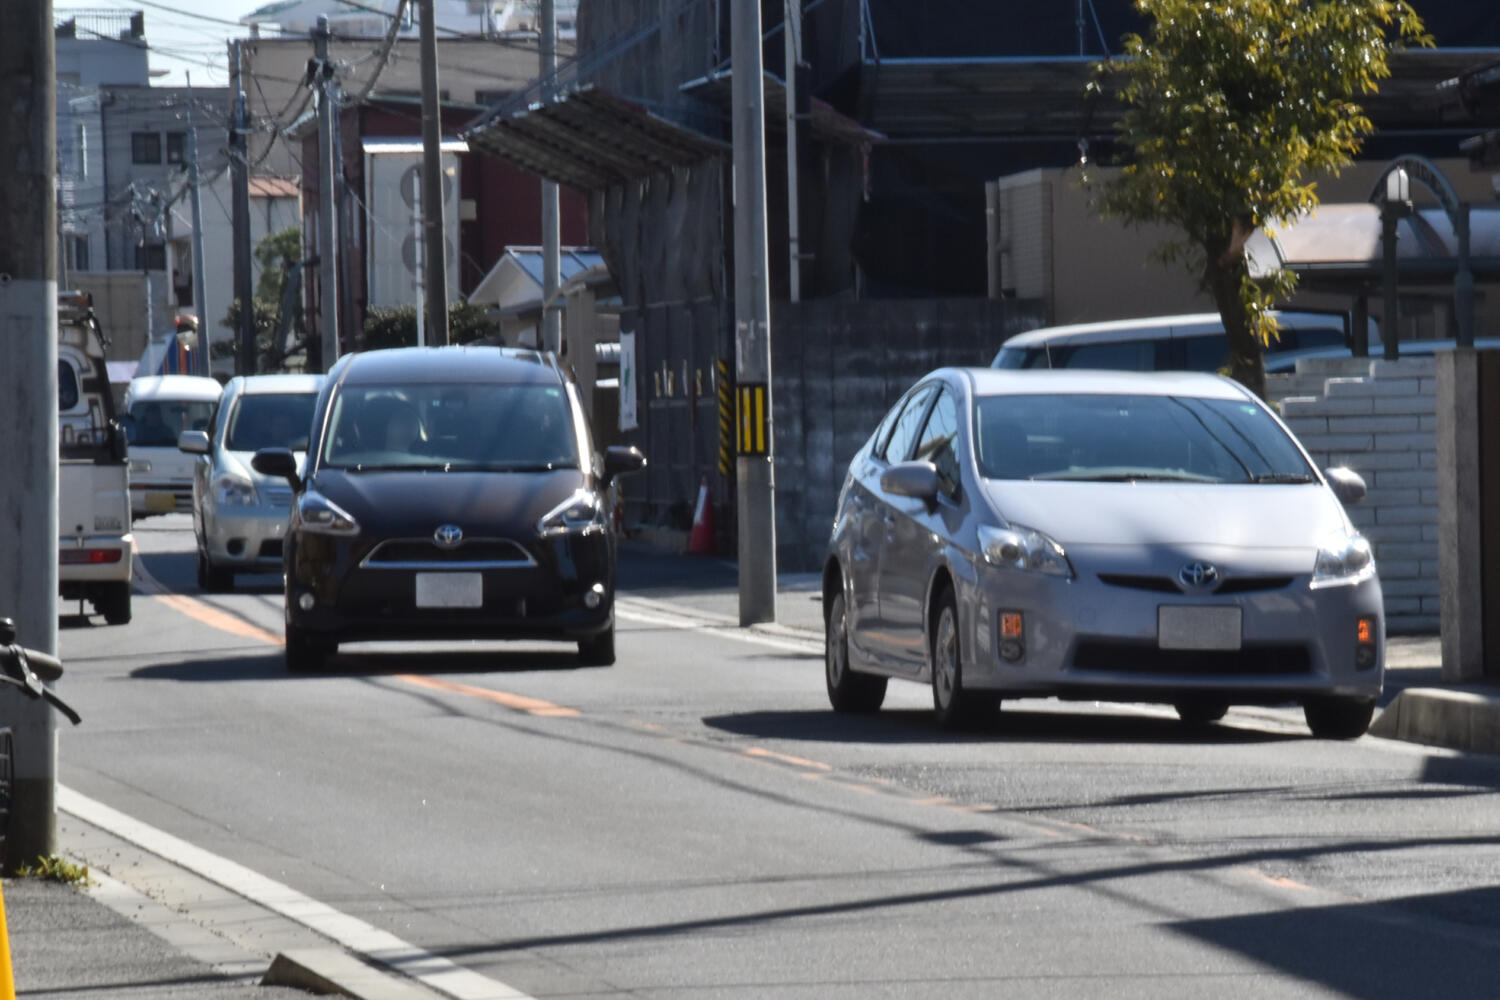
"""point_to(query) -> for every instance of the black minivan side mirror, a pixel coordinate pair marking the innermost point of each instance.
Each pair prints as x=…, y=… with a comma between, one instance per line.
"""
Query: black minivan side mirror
x=277, y=462
x=620, y=459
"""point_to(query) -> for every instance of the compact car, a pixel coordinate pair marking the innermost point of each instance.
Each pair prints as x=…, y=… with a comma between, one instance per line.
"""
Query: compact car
x=240, y=515
x=450, y=493
x=1150, y=537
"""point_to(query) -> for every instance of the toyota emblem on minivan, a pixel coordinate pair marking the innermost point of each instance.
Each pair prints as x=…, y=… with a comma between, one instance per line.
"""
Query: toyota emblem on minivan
x=448, y=536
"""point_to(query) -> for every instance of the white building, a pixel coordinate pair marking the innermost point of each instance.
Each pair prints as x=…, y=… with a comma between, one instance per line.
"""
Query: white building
x=478, y=18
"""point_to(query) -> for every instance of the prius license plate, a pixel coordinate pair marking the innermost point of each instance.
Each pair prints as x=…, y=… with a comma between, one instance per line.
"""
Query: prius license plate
x=1186, y=627
x=450, y=590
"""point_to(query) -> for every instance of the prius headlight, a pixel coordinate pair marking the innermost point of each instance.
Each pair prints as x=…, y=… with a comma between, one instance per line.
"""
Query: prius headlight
x=1343, y=560
x=231, y=490
x=321, y=516
x=582, y=513
x=1017, y=547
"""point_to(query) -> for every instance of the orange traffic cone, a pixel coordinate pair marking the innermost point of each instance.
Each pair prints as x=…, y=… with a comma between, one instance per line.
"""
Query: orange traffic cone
x=701, y=540
x=7, y=983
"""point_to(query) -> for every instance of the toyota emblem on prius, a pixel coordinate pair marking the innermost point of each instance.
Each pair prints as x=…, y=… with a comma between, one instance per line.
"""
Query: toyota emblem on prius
x=1199, y=576
x=448, y=535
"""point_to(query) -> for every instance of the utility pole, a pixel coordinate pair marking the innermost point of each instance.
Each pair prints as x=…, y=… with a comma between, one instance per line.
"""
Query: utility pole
x=239, y=179
x=434, y=256
x=752, y=323
x=328, y=269
x=551, y=211
x=792, y=30
x=200, y=273
x=28, y=408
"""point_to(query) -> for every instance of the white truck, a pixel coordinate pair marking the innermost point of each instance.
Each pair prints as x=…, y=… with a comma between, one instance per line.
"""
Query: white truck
x=95, y=554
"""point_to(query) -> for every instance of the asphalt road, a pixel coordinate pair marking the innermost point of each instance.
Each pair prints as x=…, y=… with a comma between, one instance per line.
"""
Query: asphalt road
x=694, y=821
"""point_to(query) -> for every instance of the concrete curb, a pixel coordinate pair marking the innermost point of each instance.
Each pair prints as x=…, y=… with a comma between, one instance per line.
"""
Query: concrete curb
x=1458, y=719
x=331, y=972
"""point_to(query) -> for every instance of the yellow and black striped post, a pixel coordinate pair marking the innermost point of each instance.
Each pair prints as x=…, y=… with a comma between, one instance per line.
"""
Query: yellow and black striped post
x=754, y=419
x=726, y=417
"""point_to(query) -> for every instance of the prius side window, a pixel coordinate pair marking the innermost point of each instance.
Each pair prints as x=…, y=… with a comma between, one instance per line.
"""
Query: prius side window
x=936, y=442
x=898, y=445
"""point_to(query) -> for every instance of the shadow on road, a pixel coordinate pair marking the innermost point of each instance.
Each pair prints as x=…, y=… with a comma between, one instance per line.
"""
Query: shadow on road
x=272, y=666
x=918, y=726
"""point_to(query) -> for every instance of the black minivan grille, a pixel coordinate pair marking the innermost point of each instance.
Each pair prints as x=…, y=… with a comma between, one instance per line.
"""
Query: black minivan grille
x=477, y=553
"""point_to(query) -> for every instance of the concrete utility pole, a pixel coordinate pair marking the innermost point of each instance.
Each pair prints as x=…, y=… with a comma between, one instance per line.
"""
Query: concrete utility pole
x=752, y=323
x=551, y=211
x=239, y=179
x=28, y=407
x=200, y=273
x=434, y=256
x=328, y=269
x=792, y=37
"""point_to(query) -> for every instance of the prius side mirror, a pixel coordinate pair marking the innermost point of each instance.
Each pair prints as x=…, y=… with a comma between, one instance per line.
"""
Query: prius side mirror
x=918, y=480
x=1348, y=485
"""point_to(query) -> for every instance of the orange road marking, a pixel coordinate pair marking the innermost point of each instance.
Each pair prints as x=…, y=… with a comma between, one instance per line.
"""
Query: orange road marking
x=786, y=759
x=520, y=703
x=215, y=618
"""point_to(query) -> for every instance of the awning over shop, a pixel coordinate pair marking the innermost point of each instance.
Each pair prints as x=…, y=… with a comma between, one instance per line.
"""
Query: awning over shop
x=589, y=140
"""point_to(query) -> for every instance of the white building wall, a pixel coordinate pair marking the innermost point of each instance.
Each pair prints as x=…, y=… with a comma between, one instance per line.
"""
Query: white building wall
x=1379, y=418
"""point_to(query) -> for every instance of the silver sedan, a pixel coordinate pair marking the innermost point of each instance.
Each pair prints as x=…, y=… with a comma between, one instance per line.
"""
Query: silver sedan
x=239, y=515
x=1103, y=536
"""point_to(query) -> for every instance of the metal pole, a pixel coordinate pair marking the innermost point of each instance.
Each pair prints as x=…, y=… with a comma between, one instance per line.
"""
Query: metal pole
x=28, y=406
x=792, y=35
x=434, y=256
x=1388, y=218
x=551, y=210
x=1463, y=286
x=239, y=178
x=200, y=272
x=328, y=293
x=752, y=322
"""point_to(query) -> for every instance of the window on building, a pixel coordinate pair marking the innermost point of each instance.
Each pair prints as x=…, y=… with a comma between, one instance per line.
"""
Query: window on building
x=176, y=147
x=78, y=252
x=151, y=257
x=145, y=147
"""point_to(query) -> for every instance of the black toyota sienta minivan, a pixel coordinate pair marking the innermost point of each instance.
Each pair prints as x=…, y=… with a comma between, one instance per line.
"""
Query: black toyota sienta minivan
x=449, y=493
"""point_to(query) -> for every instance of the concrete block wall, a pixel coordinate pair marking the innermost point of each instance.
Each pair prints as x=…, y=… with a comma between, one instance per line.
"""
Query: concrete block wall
x=1378, y=418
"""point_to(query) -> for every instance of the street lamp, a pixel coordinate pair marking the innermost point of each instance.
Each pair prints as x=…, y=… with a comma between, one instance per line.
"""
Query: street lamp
x=1394, y=206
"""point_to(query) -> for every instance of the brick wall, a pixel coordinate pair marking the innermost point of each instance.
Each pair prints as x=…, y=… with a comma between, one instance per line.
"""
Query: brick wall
x=1379, y=418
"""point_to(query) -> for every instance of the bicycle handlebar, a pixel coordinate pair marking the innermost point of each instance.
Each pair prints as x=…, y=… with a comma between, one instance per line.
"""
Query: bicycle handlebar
x=27, y=669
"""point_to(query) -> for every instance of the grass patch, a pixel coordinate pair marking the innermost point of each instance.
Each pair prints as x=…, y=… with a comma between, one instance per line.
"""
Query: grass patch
x=54, y=868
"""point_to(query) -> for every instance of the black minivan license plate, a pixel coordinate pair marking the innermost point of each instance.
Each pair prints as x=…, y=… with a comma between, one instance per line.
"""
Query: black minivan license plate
x=450, y=590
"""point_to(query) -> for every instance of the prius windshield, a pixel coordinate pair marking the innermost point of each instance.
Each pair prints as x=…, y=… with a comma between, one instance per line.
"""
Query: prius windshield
x=462, y=426
x=1120, y=438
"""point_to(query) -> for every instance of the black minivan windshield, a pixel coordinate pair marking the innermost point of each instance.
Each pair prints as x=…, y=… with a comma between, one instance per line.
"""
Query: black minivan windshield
x=453, y=427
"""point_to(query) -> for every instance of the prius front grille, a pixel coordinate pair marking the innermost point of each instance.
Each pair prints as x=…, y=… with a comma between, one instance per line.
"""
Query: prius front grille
x=1269, y=660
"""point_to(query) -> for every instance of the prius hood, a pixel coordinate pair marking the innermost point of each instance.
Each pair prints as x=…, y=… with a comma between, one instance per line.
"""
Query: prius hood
x=417, y=502
x=1146, y=514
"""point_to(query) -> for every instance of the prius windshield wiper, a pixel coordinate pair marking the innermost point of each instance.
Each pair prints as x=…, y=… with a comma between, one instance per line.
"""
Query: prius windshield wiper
x=1126, y=476
x=400, y=467
x=1282, y=477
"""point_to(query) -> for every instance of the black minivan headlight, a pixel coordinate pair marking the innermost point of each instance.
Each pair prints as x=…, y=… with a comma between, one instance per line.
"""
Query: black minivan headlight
x=582, y=513
x=319, y=515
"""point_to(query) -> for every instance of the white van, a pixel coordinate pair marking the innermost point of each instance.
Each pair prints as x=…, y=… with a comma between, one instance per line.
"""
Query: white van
x=158, y=408
x=96, y=552
x=1191, y=342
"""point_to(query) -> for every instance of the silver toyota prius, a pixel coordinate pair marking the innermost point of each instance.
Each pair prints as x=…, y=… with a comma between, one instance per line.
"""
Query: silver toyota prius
x=1157, y=537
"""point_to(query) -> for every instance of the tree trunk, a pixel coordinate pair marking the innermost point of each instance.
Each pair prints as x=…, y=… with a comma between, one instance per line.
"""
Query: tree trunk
x=1247, y=364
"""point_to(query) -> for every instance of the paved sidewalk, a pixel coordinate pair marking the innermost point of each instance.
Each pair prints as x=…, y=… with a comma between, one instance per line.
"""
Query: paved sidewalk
x=66, y=943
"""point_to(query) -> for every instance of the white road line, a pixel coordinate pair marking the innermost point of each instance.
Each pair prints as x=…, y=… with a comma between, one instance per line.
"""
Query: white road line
x=652, y=613
x=433, y=971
